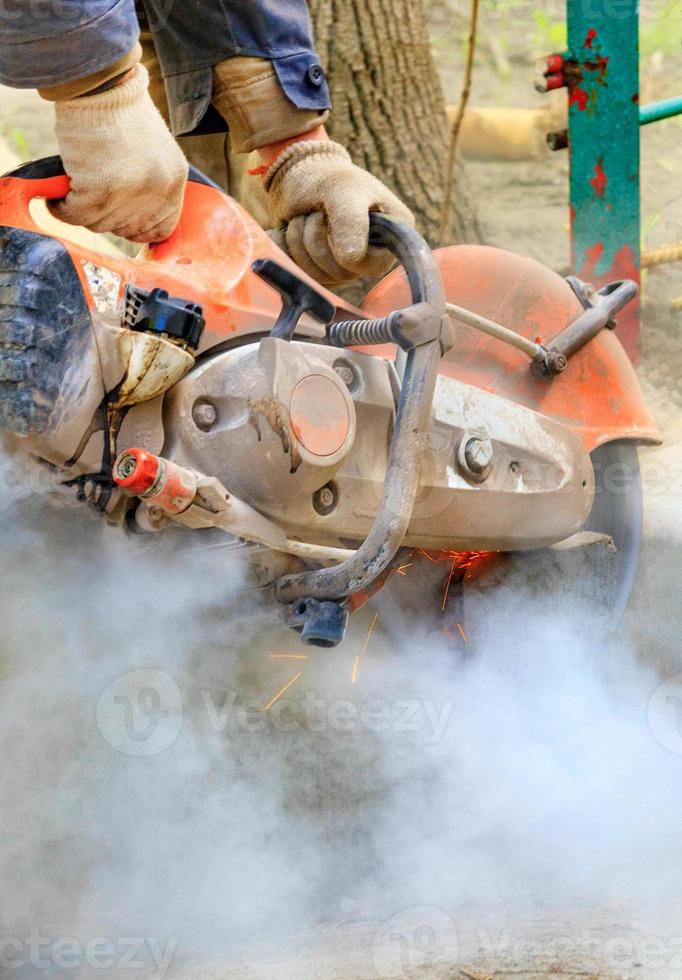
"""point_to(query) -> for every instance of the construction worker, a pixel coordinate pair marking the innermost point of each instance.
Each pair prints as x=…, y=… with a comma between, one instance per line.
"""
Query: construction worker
x=250, y=66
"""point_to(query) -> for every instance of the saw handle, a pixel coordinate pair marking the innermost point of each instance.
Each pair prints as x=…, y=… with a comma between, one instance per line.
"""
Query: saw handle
x=47, y=178
x=42, y=178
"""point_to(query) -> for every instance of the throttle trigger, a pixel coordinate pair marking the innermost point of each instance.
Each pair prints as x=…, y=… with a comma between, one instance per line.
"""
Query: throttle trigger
x=297, y=298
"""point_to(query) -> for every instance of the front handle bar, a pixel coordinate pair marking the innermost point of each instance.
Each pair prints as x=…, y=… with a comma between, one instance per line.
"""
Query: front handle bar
x=423, y=331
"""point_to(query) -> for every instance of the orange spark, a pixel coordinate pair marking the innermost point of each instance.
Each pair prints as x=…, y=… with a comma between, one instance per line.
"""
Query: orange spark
x=462, y=633
x=447, y=584
x=463, y=559
x=401, y=568
x=280, y=693
x=356, y=662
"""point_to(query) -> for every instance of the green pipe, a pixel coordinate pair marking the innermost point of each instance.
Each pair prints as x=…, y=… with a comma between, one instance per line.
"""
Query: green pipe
x=660, y=110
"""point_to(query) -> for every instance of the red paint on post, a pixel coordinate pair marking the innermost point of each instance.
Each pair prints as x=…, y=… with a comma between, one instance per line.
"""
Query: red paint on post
x=554, y=63
x=598, y=182
x=591, y=260
x=555, y=81
x=578, y=98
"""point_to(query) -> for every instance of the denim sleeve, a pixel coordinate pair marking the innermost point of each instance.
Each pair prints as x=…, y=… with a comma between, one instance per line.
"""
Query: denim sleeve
x=193, y=35
x=48, y=44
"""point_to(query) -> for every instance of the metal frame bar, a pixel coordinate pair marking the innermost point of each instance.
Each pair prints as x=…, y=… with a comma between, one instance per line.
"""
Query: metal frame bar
x=600, y=69
x=602, y=75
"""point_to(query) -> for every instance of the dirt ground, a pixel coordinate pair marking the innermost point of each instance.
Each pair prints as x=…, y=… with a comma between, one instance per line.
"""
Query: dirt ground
x=522, y=206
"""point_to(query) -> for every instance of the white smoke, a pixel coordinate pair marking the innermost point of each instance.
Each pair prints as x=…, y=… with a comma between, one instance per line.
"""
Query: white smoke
x=149, y=798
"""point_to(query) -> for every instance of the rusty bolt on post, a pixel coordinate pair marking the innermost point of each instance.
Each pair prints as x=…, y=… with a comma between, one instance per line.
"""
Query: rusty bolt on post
x=550, y=73
x=558, y=140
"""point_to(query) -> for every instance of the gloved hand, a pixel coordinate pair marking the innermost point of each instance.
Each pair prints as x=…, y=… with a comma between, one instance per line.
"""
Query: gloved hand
x=127, y=172
x=323, y=202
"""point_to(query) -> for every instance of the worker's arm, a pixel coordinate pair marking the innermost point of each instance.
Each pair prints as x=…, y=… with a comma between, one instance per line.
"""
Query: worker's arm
x=42, y=45
x=320, y=200
x=272, y=61
x=127, y=172
x=253, y=61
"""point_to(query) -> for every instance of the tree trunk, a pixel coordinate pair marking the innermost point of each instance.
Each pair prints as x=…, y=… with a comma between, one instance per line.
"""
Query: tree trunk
x=389, y=110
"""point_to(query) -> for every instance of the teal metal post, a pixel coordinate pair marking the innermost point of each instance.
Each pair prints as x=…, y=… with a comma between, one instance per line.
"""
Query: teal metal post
x=601, y=71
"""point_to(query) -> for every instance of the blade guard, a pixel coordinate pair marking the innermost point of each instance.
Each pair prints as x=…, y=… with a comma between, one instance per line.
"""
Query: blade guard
x=598, y=395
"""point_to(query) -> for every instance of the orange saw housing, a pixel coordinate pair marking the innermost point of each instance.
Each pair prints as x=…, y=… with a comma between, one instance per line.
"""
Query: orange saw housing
x=208, y=260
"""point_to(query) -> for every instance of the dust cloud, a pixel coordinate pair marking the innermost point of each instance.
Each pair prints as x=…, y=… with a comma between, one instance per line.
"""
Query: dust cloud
x=154, y=810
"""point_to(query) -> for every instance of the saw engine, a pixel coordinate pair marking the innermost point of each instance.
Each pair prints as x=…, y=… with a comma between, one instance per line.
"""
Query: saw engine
x=208, y=384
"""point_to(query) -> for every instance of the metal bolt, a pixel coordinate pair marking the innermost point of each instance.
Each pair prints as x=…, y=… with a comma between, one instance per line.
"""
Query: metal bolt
x=556, y=361
x=558, y=140
x=204, y=415
x=347, y=374
x=324, y=500
x=326, y=497
x=478, y=455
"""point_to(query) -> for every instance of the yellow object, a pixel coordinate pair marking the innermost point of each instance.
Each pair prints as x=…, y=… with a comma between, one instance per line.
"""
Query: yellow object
x=660, y=256
x=499, y=133
x=153, y=365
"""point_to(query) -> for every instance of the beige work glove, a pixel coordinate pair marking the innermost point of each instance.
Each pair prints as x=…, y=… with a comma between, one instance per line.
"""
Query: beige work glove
x=127, y=172
x=322, y=201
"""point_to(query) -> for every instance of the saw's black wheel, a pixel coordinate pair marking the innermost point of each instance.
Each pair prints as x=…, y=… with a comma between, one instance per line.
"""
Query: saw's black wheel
x=618, y=512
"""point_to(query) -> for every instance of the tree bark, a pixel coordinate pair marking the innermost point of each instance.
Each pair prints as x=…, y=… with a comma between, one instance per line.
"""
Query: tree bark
x=388, y=104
